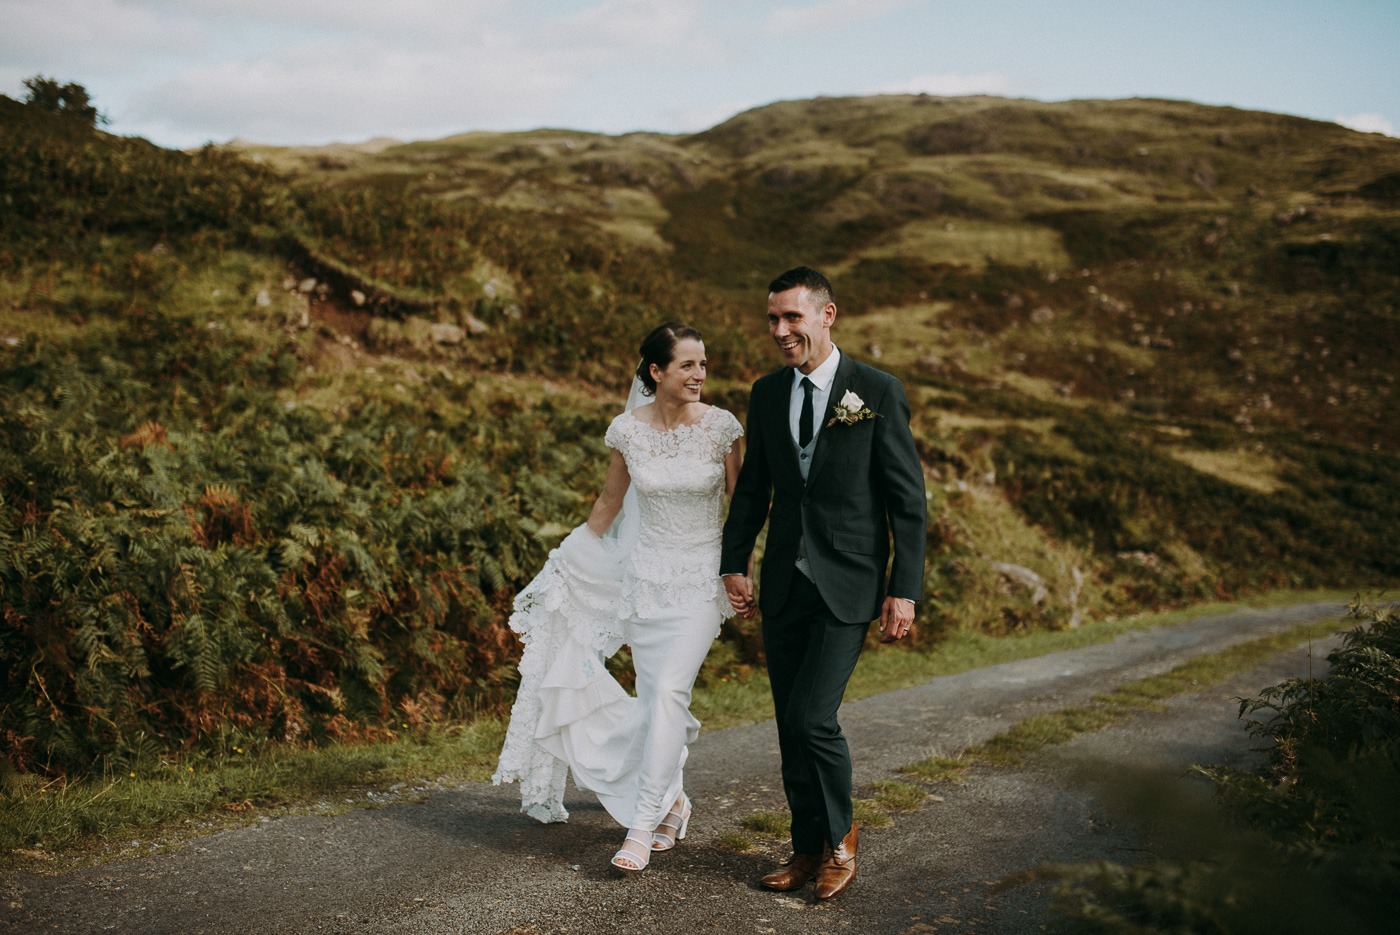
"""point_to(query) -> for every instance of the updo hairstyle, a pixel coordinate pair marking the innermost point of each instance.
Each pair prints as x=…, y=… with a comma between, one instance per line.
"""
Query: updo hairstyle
x=659, y=347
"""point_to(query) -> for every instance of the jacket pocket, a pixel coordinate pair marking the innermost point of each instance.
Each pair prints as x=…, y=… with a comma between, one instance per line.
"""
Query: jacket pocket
x=850, y=542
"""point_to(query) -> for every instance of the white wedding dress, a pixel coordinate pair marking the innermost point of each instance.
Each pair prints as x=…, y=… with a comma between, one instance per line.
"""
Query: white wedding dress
x=662, y=596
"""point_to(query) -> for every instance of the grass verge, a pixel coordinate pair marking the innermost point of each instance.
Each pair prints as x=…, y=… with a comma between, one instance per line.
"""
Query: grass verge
x=1029, y=736
x=47, y=826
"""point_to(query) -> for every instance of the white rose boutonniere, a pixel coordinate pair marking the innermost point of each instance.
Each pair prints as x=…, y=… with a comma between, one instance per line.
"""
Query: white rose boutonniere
x=850, y=410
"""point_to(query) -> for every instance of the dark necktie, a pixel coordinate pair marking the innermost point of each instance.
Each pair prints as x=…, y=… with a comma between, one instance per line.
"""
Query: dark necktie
x=804, y=420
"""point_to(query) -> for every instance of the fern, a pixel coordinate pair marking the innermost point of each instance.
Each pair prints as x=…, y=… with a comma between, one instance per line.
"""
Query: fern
x=192, y=648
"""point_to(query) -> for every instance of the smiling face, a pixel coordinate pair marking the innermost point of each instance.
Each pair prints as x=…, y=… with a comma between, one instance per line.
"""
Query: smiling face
x=800, y=327
x=681, y=380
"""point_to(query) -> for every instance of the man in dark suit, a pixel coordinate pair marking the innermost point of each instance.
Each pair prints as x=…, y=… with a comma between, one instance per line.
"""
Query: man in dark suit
x=830, y=451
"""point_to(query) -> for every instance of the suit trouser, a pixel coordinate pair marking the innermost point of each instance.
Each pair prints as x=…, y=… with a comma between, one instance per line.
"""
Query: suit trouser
x=811, y=655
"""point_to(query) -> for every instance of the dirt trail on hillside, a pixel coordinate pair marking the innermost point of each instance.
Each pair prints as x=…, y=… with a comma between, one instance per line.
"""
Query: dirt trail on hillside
x=465, y=860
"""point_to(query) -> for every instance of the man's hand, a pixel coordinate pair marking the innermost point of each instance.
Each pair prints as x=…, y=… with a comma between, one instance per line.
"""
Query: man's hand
x=896, y=617
x=740, y=591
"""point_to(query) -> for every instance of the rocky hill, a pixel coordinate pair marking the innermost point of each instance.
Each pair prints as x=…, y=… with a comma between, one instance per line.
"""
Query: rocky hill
x=1161, y=255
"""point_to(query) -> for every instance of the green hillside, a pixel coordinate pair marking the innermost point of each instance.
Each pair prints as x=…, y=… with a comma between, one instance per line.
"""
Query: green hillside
x=284, y=430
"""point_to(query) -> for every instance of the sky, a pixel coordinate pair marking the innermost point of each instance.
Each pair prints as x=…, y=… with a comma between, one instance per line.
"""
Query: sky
x=183, y=73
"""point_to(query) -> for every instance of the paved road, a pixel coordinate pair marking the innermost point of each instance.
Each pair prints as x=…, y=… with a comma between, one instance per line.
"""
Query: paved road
x=465, y=861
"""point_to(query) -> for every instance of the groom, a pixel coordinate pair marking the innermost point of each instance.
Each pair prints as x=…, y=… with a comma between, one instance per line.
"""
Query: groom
x=829, y=449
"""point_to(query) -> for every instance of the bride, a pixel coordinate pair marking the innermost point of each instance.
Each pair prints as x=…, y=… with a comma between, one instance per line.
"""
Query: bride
x=643, y=570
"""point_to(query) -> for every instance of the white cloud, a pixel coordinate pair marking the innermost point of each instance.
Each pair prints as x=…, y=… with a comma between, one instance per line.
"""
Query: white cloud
x=352, y=89
x=632, y=24
x=379, y=15
x=954, y=85
x=827, y=15
x=1368, y=123
x=387, y=72
x=86, y=36
x=629, y=33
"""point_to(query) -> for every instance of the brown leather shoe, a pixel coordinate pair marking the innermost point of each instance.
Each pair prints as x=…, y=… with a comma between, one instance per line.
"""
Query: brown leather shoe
x=793, y=874
x=838, y=866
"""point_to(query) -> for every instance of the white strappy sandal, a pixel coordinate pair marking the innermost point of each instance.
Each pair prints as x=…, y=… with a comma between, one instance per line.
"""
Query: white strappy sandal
x=636, y=851
x=673, y=826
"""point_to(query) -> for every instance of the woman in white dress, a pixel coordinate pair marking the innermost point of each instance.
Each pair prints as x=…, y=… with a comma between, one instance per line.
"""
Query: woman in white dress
x=643, y=570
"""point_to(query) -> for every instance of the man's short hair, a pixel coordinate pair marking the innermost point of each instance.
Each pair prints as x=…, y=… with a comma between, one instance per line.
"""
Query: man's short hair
x=815, y=282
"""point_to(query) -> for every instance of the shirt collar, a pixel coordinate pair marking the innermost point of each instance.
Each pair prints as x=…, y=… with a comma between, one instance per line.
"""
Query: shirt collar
x=824, y=374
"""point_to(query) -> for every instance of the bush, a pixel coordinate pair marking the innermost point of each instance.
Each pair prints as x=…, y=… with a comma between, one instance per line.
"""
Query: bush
x=186, y=560
x=1312, y=845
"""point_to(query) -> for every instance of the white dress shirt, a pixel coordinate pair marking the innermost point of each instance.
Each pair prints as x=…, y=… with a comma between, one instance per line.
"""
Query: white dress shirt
x=821, y=379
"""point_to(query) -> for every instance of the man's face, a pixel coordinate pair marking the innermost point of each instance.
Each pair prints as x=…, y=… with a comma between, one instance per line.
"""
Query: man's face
x=800, y=328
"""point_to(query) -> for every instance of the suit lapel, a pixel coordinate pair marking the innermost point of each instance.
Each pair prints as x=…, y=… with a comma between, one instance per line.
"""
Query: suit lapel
x=845, y=373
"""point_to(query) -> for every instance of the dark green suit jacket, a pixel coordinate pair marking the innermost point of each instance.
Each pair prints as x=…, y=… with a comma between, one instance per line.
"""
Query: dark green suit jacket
x=864, y=490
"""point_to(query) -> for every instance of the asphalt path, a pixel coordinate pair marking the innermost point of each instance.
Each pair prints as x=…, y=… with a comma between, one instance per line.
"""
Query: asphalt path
x=464, y=860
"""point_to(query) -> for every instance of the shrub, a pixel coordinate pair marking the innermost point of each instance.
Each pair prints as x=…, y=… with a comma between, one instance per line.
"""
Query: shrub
x=1311, y=845
x=183, y=558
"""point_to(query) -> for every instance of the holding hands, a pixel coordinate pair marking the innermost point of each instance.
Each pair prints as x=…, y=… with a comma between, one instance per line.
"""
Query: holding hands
x=740, y=591
x=896, y=615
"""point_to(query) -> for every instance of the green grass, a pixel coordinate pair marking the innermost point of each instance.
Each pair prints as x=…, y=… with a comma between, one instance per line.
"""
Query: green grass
x=938, y=769
x=57, y=823
x=735, y=841
x=69, y=823
x=895, y=796
x=869, y=813
x=1034, y=734
x=882, y=669
x=970, y=243
x=877, y=810
x=766, y=824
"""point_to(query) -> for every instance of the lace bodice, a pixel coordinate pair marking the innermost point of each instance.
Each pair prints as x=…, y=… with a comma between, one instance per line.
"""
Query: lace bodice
x=678, y=476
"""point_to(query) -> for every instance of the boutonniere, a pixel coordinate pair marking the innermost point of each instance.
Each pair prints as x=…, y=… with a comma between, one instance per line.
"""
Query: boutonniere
x=850, y=410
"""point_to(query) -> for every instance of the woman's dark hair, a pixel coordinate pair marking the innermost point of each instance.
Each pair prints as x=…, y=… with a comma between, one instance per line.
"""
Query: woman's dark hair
x=659, y=347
